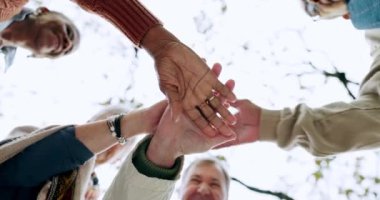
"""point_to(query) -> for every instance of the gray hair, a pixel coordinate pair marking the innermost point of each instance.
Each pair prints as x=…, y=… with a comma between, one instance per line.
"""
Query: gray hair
x=210, y=161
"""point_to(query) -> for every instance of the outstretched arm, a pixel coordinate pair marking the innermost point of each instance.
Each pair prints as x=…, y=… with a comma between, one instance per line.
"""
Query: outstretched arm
x=183, y=77
x=66, y=148
x=158, y=159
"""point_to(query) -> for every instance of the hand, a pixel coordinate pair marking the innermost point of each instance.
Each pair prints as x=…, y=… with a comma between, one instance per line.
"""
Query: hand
x=248, y=123
x=174, y=139
x=143, y=120
x=187, y=82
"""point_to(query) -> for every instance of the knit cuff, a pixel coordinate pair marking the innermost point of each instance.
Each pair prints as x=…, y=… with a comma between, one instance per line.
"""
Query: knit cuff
x=130, y=16
x=146, y=167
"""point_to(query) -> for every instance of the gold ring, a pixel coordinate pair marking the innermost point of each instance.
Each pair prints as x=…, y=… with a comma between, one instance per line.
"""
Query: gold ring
x=211, y=98
x=208, y=101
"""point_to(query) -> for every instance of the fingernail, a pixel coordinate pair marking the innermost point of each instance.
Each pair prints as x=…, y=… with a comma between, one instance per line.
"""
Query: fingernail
x=230, y=133
x=232, y=120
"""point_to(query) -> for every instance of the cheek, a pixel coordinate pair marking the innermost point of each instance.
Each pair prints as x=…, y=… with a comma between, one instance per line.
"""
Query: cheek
x=190, y=189
x=218, y=194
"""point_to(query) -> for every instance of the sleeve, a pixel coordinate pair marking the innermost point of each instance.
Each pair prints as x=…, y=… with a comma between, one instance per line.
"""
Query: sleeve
x=336, y=127
x=53, y=155
x=130, y=16
x=364, y=14
x=8, y=9
x=130, y=183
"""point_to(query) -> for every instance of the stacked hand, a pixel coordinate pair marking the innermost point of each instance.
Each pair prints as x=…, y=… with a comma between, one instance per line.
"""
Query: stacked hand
x=190, y=86
x=248, y=123
x=174, y=139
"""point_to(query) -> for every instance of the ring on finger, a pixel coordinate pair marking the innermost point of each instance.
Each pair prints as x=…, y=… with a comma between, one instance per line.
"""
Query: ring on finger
x=208, y=100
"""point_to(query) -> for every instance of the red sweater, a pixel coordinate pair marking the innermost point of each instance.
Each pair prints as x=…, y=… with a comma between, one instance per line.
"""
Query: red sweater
x=130, y=16
x=8, y=8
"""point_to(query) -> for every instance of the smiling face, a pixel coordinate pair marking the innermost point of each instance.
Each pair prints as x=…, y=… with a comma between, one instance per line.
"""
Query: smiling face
x=204, y=181
x=56, y=35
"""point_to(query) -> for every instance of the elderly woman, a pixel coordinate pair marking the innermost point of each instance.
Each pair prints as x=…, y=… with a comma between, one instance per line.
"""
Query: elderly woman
x=43, y=32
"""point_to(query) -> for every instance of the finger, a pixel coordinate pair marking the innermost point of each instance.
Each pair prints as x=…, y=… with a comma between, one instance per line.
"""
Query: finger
x=196, y=117
x=223, y=91
x=230, y=84
x=217, y=69
x=217, y=86
x=208, y=112
x=217, y=106
x=237, y=103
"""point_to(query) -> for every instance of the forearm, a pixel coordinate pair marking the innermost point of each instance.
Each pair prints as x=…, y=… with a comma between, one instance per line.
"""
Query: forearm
x=97, y=136
x=334, y=128
x=50, y=156
x=130, y=16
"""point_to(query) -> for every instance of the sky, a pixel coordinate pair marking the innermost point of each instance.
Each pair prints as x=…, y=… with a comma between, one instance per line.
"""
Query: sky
x=262, y=44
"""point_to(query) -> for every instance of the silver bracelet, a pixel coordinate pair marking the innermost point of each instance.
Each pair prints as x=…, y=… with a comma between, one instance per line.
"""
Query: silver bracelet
x=114, y=124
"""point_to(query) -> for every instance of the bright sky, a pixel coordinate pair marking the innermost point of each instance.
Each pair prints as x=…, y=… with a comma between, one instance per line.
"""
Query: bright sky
x=275, y=34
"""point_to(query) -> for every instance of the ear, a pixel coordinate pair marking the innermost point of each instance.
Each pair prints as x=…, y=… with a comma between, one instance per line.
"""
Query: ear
x=41, y=11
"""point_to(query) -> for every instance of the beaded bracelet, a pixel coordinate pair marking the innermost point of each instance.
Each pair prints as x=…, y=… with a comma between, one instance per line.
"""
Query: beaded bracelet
x=114, y=125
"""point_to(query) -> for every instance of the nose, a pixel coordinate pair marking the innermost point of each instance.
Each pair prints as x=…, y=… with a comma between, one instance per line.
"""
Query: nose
x=204, y=189
x=67, y=44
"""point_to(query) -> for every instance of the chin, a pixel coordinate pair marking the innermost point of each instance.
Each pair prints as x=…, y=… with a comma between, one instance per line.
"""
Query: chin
x=198, y=197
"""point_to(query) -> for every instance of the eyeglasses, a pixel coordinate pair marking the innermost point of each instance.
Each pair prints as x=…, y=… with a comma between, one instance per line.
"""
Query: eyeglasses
x=311, y=9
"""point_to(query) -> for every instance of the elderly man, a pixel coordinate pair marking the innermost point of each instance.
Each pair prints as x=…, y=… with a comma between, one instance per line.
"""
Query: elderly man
x=45, y=33
x=151, y=171
x=205, y=178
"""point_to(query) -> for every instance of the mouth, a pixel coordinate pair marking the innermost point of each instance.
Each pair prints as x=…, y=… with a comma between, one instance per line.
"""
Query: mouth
x=200, y=197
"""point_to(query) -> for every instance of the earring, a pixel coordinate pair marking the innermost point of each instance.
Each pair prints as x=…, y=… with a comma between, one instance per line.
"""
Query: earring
x=42, y=10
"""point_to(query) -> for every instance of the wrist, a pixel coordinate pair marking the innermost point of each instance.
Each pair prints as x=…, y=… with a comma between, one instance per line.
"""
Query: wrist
x=131, y=125
x=156, y=39
x=161, y=154
x=150, y=169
